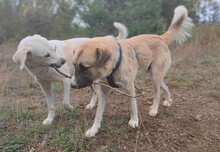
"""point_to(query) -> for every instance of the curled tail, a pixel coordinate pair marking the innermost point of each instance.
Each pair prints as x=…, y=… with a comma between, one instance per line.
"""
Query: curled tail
x=180, y=28
x=123, y=32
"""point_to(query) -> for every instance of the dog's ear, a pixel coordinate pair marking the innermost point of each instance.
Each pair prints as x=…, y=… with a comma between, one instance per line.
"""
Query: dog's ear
x=102, y=56
x=20, y=57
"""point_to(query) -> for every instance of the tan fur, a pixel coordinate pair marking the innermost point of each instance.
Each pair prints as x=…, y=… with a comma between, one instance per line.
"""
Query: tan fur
x=153, y=56
x=42, y=58
x=68, y=50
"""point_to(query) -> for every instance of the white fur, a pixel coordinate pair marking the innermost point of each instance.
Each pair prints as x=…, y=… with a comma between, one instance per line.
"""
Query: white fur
x=31, y=54
x=39, y=66
x=182, y=33
x=124, y=31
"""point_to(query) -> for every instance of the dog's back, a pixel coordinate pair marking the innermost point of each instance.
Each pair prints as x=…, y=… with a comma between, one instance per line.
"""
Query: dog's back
x=155, y=47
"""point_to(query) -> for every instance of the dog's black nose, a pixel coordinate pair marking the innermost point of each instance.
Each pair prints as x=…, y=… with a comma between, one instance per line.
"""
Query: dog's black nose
x=74, y=86
x=63, y=61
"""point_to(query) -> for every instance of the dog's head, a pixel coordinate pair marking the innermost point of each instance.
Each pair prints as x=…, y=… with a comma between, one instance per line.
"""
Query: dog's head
x=93, y=60
x=35, y=51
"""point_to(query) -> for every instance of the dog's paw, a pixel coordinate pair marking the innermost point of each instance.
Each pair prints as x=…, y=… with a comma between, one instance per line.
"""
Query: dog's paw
x=133, y=123
x=68, y=107
x=167, y=103
x=47, y=121
x=153, y=111
x=91, y=132
x=90, y=105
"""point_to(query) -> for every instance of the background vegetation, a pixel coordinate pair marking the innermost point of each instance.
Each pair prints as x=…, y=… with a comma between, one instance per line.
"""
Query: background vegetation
x=62, y=19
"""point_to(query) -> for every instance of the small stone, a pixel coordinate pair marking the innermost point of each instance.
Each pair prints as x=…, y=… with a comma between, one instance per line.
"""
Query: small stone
x=198, y=117
x=2, y=125
x=149, y=103
x=32, y=149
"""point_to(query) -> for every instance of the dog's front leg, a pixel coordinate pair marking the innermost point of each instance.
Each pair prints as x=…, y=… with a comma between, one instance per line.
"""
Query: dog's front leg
x=66, y=94
x=94, y=98
x=92, y=101
x=47, y=89
x=102, y=99
x=133, y=108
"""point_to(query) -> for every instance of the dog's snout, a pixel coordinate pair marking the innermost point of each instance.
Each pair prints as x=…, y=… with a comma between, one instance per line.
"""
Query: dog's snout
x=63, y=61
x=73, y=85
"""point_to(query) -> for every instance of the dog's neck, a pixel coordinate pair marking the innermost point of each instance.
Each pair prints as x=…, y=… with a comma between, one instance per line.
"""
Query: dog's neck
x=110, y=78
x=37, y=71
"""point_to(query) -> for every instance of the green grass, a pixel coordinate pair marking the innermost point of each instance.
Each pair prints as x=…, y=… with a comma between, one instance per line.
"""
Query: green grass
x=183, y=80
x=214, y=94
x=209, y=59
x=215, y=72
x=57, y=86
x=61, y=133
x=67, y=133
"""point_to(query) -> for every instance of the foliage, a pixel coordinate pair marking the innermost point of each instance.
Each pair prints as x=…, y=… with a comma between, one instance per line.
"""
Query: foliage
x=139, y=16
x=20, y=18
x=208, y=11
x=58, y=19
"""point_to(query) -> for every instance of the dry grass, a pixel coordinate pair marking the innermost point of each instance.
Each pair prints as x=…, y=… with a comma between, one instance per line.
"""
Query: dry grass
x=194, y=81
x=205, y=42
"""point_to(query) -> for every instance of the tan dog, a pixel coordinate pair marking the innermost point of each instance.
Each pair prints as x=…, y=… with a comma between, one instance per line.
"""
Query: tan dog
x=41, y=56
x=97, y=58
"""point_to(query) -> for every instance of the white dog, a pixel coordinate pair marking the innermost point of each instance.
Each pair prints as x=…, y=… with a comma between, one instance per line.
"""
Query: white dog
x=40, y=57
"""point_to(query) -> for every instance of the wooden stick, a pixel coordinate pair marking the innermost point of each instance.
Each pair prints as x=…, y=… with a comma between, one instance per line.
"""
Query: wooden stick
x=119, y=91
x=63, y=74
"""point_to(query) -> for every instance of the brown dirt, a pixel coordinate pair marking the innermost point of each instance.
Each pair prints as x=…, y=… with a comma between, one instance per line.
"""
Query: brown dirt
x=191, y=124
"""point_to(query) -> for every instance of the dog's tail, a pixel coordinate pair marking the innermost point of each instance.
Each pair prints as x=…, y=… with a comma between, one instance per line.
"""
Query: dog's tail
x=180, y=28
x=123, y=31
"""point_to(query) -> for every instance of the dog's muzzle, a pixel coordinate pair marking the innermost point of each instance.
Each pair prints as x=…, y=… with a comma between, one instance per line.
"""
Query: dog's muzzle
x=63, y=61
x=73, y=83
x=79, y=82
x=75, y=86
x=58, y=65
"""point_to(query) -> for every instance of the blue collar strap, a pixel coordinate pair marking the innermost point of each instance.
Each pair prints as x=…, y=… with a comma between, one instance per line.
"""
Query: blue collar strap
x=136, y=54
x=110, y=78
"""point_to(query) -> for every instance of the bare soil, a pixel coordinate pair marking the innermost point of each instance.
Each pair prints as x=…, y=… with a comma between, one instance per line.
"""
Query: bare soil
x=191, y=124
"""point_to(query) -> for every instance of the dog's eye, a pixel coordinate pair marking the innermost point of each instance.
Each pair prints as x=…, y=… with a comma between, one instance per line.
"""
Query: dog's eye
x=47, y=55
x=82, y=67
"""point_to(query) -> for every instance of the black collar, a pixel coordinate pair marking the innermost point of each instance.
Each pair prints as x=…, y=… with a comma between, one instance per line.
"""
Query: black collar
x=110, y=78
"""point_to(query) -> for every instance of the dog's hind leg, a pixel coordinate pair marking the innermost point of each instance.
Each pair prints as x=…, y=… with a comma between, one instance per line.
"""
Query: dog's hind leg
x=156, y=77
x=66, y=94
x=103, y=94
x=48, y=92
x=133, y=107
x=168, y=101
